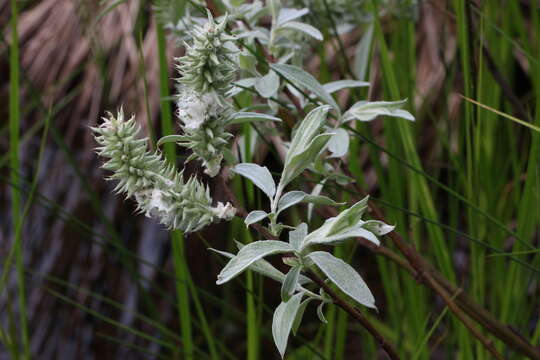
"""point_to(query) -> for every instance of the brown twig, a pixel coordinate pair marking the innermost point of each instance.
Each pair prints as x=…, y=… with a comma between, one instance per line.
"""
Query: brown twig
x=357, y=315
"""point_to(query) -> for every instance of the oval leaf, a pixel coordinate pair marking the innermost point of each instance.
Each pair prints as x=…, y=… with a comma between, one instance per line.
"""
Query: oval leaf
x=260, y=176
x=290, y=283
x=301, y=161
x=367, y=111
x=294, y=197
x=339, y=143
x=248, y=255
x=282, y=321
x=298, y=75
x=300, y=315
x=344, y=276
x=305, y=28
x=267, y=85
x=255, y=216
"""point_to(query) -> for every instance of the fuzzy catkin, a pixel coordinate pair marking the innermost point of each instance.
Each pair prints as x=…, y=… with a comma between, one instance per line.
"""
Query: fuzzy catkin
x=207, y=71
x=203, y=120
x=208, y=65
x=159, y=190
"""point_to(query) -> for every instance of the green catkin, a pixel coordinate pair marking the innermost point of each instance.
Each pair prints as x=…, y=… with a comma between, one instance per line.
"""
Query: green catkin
x=207, y=72
x=209, y=63
x=160, y=191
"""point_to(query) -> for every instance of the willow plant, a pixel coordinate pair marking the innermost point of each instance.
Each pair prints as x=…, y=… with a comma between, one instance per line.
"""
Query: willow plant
x=222, y=60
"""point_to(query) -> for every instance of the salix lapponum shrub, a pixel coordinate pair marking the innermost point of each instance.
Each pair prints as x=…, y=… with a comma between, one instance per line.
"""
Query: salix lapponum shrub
x=220, y=63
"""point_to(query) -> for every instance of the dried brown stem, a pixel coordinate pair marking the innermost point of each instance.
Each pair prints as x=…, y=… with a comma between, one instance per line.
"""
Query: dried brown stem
x=357, y=315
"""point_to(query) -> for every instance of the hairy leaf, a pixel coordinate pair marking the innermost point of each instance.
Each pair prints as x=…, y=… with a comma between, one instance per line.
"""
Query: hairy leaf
x=248, y=255
x=344, y=277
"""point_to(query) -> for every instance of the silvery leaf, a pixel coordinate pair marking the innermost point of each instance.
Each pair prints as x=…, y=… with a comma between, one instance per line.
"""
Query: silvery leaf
x=290, y=283
x=261, y=266
x=172, y=138
x=334, y=86
x=309, y=127
x=320, y=313
x=283, y=320
x=316, y=191
x=255, y=216
x=361, y=56
x=301, y=161
x=240, y=86
x=248, y=255
x=300, y=315
x=344, y=277
x=346, y=220
x=378, y=227
x=244, y=117
x=339, y=143
x=286, y=14
x=300, y=76
x=340, y=237
x=297, y=236
x=367, y=111
x=259, y=175
x=294, y=197
x=268, y=85
x=304, y=28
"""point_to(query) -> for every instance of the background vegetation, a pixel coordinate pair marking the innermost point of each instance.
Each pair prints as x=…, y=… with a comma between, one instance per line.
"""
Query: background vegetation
x=85, y=277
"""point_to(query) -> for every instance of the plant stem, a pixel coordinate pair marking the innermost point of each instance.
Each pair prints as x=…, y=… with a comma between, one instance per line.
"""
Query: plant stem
x=14, y=135
x=352, y=311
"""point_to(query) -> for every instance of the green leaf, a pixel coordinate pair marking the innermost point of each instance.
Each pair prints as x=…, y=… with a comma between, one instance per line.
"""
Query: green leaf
x=378, y=227
x=304, y=28
x=367, y=111
x=344, y=277
x=339, y=143
x=320, y=313
x=294, y=197
x=287, y=14
x=290, y=283
x=361, y=56
x=334, y=86
x=298, y=75
x=259, y=175
x=342, y=236
x=309, y=127
x=254, y=217
x=245, y=117
x=248, y=255
x=283, y=320
x=300, y=315
x=172, y=138
x=301, y=161
x=268, y=85
x=297, y=236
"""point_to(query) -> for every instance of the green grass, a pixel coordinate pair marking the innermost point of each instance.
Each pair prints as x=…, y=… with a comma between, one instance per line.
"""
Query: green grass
x=469, y=203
